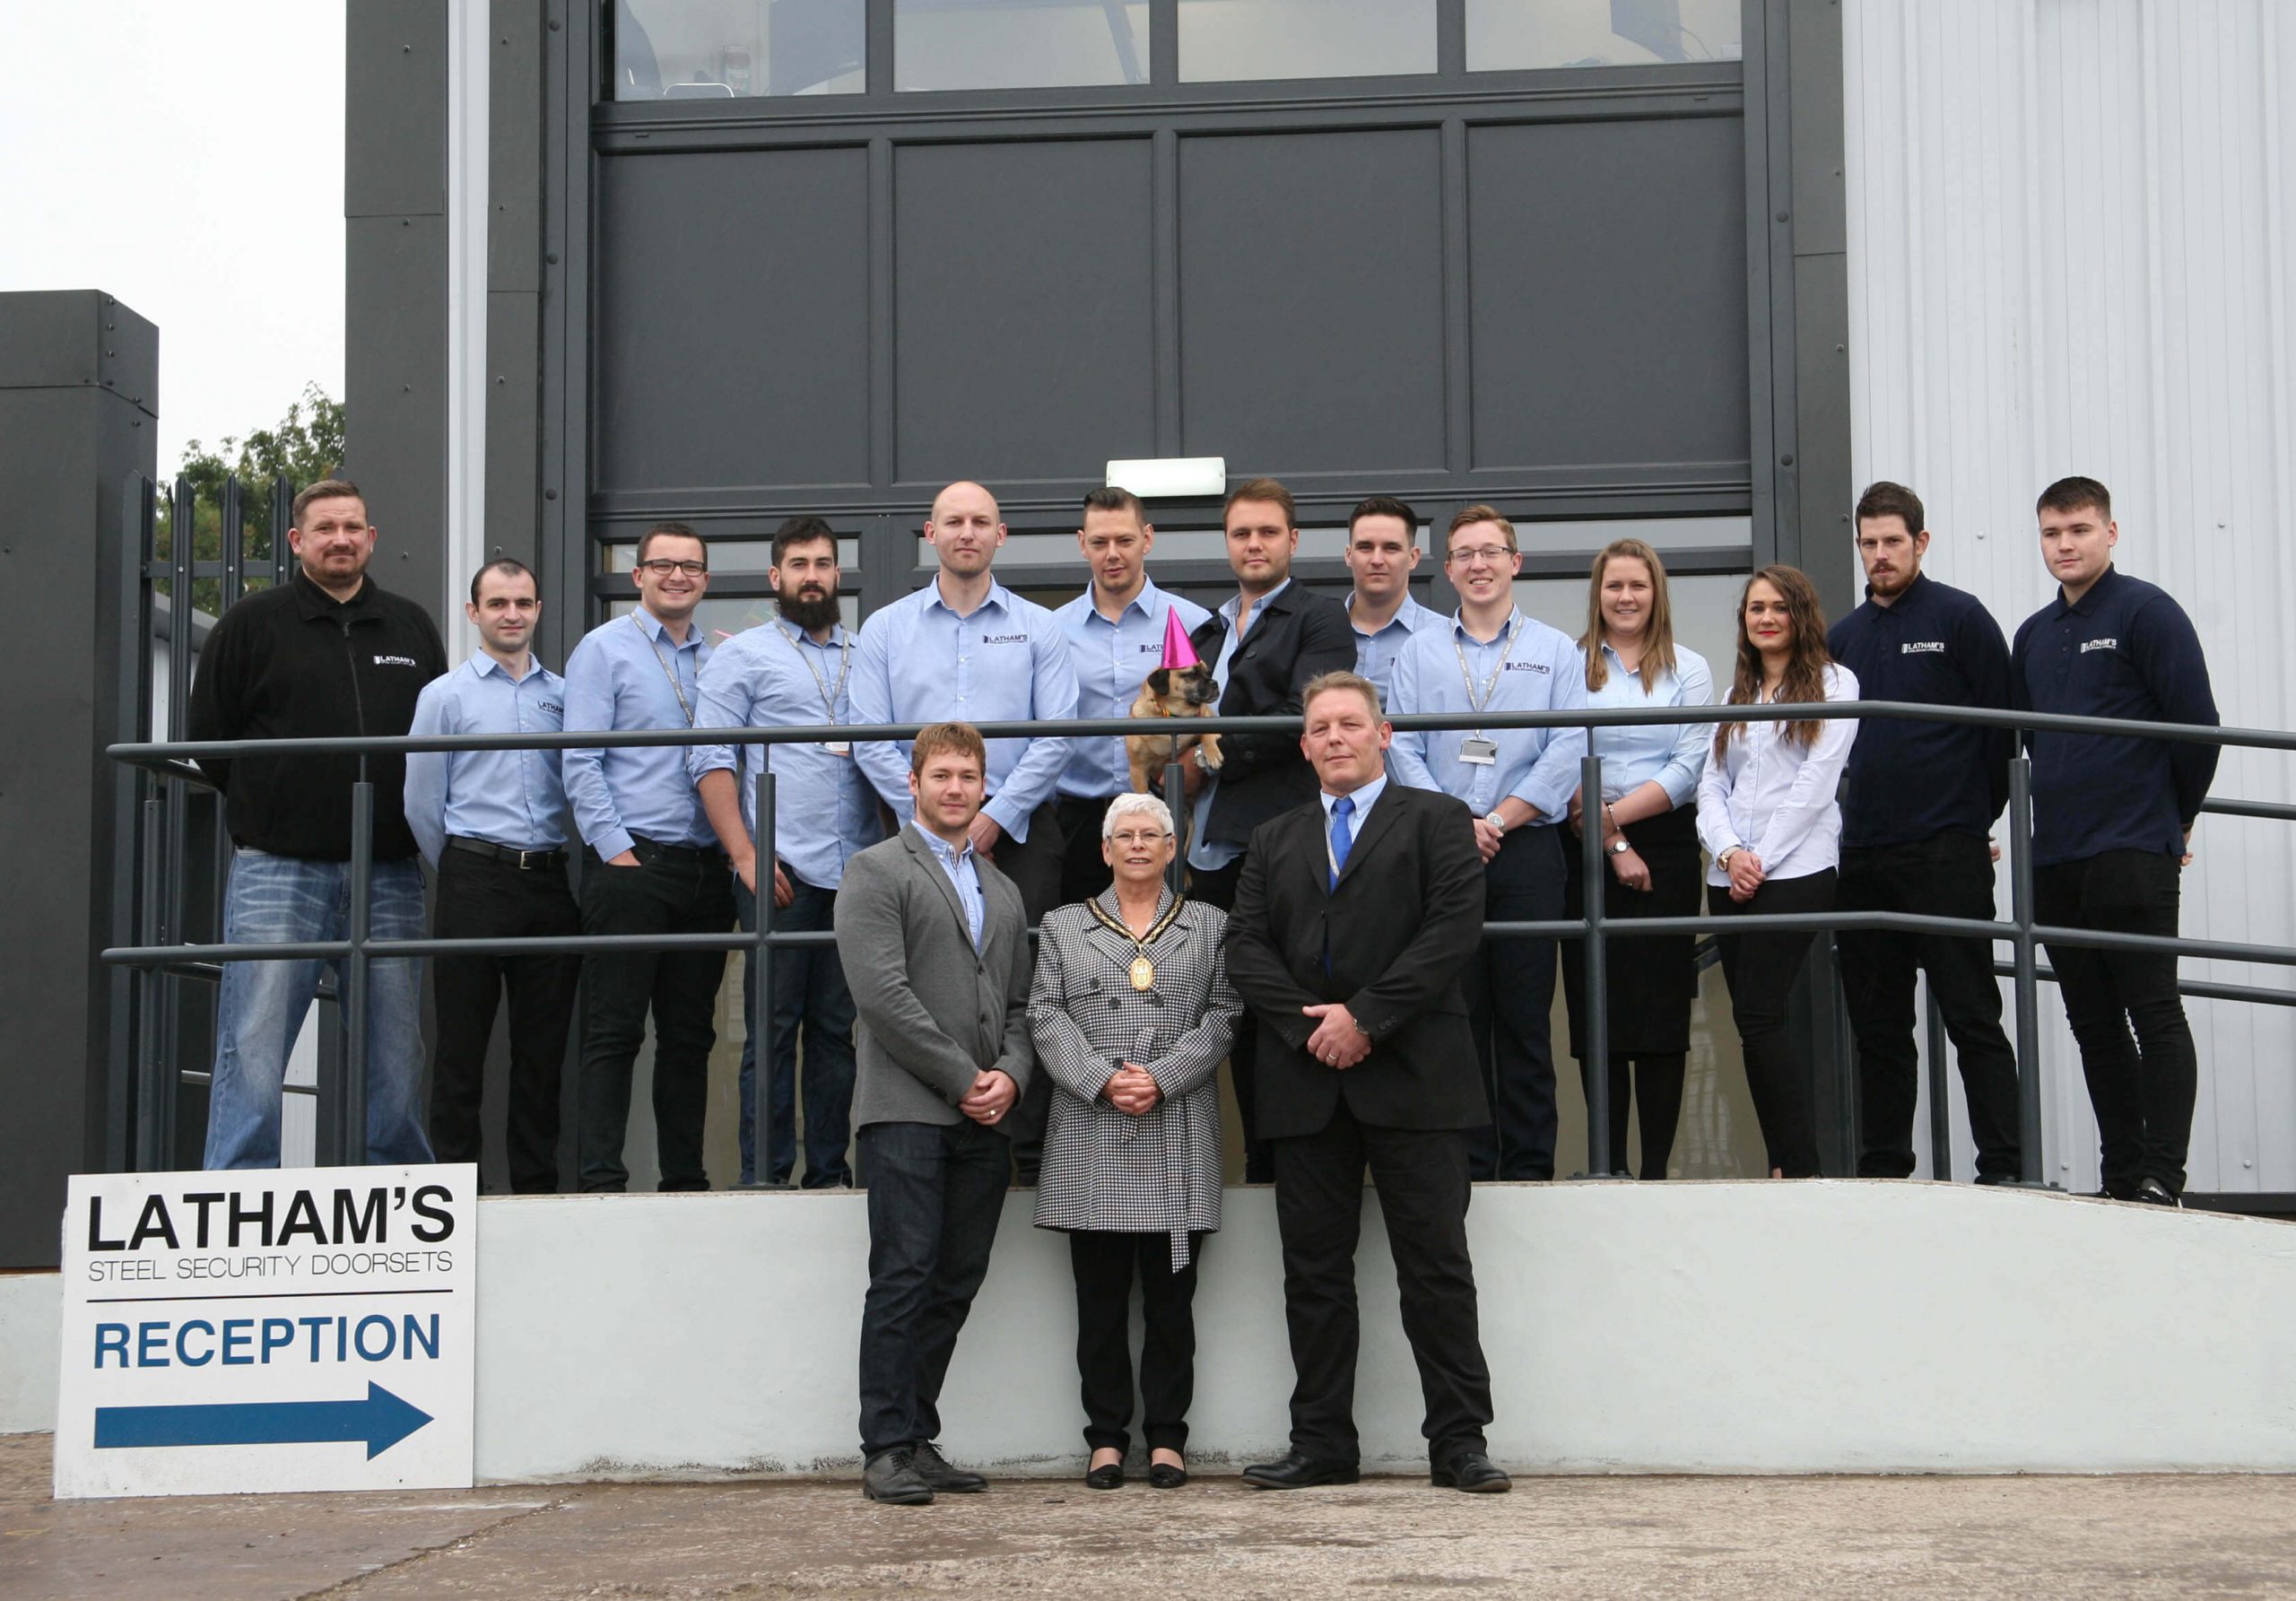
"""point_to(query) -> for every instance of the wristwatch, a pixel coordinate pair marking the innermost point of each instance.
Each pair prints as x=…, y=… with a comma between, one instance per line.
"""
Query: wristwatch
x=1620, y=847
x=1498, y=824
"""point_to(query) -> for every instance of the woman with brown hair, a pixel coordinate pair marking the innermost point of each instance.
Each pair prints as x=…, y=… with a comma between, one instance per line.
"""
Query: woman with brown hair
x=1766, y=810
x=1648, y=816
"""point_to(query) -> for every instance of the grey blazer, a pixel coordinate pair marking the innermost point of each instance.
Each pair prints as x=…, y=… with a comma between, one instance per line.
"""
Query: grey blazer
x=934, y=1013
x=1107, y=1170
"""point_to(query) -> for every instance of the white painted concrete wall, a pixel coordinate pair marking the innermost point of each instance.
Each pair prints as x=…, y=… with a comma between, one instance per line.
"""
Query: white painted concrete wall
x=2070, y=251
x=1681, y=1327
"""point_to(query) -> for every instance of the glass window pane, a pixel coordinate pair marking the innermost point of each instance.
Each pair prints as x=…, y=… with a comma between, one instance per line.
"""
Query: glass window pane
x=1018, y=44
x=1224, y=40
x=1504, y=34
x=738, y=50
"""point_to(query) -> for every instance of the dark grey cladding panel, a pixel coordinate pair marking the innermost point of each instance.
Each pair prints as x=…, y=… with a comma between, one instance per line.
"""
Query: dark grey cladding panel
x=733, y=323
x=1025, y=299
x=1607, y=265
x=1311, y=301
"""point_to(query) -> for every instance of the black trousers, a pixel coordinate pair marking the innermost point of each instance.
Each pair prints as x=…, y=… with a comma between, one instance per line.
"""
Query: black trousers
x=1217, y=888
x=1509, y=987
x=936, y=1194
x=2141, y=1087
x=1105, y=1265
x=1083, y=873
x=673, y=890
x=1946, y=875
x=483, y=896
x=1760, y=969
x=1035, y=867
x=1422, y=1178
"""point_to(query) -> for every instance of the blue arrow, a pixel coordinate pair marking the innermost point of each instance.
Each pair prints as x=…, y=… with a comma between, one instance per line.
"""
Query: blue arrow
x=382, y=1420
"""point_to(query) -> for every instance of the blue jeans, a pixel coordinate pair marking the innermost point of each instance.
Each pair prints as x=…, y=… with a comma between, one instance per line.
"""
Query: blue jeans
x=274, y=899
x=936, y=1194
x=809, y=989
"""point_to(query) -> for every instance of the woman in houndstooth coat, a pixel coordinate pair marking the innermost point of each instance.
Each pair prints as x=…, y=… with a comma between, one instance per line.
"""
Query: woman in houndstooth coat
x=1131, y=1014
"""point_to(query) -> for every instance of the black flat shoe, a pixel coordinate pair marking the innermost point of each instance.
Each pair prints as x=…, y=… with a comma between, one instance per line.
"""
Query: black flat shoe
x=1163, y=1476
x=1297, y=1471
x=1111, y=1477
x=1471, y=1472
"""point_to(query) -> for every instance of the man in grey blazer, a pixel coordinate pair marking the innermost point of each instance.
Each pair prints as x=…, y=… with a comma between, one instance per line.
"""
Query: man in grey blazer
x=935, y=946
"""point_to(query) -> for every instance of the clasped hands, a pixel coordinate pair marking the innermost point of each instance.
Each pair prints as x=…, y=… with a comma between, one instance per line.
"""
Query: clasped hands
x=1744, y=869
x=990, y=1098
x=1336, y=1042
x=1132, y=1090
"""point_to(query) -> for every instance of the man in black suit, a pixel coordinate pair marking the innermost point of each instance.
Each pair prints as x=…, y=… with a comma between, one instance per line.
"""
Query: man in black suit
x=1355, y=915
x=1264, y=646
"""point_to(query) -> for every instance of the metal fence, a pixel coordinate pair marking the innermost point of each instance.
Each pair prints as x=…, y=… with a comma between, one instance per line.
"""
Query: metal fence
x=156, y=959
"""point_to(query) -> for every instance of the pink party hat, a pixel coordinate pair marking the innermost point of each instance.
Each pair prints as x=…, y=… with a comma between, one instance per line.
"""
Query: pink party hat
x=1177, y=651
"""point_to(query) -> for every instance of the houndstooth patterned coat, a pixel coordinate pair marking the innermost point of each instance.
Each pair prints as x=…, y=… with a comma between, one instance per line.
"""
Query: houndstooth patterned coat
x=1107, y=1170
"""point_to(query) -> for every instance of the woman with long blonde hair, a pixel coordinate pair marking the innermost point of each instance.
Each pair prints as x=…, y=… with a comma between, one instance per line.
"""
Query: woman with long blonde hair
x=1766, y=812
x=1648, y=814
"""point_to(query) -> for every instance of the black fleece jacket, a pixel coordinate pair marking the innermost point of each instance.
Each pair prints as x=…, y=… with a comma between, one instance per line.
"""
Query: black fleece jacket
x=294, y=663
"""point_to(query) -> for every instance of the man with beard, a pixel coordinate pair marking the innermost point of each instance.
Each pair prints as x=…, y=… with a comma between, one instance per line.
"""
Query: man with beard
x=793, y=671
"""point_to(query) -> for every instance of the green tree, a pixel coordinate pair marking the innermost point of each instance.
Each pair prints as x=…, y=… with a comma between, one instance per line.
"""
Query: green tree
x=306, y=447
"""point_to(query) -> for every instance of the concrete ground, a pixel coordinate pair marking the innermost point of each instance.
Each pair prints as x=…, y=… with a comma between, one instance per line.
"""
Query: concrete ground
x=2023, y=1538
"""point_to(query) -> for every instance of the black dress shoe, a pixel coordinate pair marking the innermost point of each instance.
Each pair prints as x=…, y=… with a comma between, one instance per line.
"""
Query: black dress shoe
x=934, y=1470
x=892, y=1476
x=1297, y=1471
x=2153, y=1193
x=1471, y=1472
x=1164, y=1475
x=1107, y=1476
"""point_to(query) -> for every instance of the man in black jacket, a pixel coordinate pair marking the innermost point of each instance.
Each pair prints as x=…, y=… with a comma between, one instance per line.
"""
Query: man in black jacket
x=1264, y=646
x=1356, y=915
x=327, y=652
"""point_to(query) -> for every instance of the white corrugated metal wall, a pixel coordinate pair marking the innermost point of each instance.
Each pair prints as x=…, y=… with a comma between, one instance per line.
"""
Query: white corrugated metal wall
x=2070, y=237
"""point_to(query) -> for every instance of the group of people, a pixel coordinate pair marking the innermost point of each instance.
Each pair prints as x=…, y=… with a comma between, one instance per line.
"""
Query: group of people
x=1327, y=942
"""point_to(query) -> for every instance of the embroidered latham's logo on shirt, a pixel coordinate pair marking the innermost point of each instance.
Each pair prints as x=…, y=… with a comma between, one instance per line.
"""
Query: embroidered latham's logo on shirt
x=1525, y=666
x=1003, y=639
x=396, y=661
x=2112, y=644
x=1922, y=648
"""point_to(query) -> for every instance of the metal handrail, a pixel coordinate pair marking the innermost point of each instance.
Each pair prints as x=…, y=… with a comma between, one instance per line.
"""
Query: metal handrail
x=169, y=760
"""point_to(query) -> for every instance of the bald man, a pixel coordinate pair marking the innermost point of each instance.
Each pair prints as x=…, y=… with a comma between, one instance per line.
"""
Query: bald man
x=965, y=649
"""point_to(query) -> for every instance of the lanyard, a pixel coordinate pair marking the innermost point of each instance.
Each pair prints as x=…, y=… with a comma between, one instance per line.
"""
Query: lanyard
x=829, y=698
x=1477, y=704
x=668, y=672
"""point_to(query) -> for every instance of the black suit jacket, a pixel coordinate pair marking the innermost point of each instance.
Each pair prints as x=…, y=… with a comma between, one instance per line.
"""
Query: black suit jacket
x=1404, y=921
x=1294, y=637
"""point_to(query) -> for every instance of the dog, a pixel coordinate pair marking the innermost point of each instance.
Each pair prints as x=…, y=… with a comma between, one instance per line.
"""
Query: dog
x=1172, y=692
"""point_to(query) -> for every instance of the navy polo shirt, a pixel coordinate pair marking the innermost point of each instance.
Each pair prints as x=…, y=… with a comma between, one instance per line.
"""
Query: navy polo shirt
x=1938, y=646
x=2125, y=649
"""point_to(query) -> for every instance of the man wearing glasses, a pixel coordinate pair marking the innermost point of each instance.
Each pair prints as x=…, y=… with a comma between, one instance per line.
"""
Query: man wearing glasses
x=1517, y=782
x=652, y=865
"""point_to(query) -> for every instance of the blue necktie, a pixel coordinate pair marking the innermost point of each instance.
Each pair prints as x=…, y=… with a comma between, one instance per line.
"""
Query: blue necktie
x=1342, y=836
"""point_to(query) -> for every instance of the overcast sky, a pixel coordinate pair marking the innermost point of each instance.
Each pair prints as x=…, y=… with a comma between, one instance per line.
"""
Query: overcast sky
x=186, y=156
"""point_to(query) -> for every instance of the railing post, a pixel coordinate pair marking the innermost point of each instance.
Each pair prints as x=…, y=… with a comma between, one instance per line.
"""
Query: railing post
x=760, y=1018
x=1176, y=799
x=1594, y=1026
x=353, y=1104
x=1941, y=1122
x=155, y=1105
x=2028, y=985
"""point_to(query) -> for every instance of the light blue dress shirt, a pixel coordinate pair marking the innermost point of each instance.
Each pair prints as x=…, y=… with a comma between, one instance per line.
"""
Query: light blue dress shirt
x=1375, y=652
x=1365, y=797
x=1111, y=660
x=776, y=675
x=618, y=678
x=918, y=662
x=964, y=873
x=1205, y=854
x=513, y=798
x=1673, y=754
x=1541, y=670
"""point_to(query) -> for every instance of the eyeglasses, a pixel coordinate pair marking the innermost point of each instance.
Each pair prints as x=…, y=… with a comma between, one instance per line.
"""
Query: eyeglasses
x=662, y=567
x=1495, y=555
x=1132, y=837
